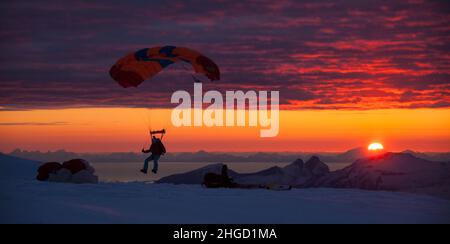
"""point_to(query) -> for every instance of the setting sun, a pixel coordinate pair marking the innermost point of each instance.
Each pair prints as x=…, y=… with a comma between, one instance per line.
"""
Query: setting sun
x=375, y=146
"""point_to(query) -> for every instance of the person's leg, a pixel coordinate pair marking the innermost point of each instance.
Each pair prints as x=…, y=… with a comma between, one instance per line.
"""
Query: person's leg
x=146, y=162
x=155, y=163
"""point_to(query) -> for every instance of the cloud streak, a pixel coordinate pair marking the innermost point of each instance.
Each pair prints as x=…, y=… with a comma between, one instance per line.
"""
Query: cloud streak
x=33, y=123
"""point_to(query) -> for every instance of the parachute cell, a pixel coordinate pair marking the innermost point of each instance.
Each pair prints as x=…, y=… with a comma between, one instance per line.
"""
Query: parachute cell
x=134, y=68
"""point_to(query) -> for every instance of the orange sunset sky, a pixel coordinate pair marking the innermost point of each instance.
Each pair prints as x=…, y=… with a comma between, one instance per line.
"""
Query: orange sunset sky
x=125, y=129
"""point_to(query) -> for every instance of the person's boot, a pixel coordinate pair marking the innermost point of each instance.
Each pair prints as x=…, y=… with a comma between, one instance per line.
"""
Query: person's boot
x=154, y=171
x=144, y=171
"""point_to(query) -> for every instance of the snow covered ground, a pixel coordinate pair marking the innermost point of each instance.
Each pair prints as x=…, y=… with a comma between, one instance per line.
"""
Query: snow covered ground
x=25, y=200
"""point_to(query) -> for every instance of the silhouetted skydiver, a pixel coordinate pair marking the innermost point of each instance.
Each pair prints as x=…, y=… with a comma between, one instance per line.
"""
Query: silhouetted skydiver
x=157, y=149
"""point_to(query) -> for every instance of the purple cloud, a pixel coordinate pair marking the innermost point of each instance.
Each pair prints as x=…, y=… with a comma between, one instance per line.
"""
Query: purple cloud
x=337, y=55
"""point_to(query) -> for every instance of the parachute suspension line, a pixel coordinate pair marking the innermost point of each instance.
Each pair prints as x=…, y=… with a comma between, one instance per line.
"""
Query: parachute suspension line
x=183, y=64
x=145, y=119
x=147, y=123
x=167, y=120
x=150, y=118
x=197, y=80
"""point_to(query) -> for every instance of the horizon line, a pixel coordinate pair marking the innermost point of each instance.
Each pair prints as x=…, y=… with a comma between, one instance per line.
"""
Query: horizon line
x=221, y=152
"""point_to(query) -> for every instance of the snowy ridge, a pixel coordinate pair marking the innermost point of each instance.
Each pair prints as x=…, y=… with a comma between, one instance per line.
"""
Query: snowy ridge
x=389, y=172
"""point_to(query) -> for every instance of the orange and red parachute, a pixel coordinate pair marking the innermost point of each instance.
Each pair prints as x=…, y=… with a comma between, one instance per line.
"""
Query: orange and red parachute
x=136, y=67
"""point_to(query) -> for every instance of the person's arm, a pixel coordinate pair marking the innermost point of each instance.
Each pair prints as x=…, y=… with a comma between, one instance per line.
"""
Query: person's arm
x=145, y=151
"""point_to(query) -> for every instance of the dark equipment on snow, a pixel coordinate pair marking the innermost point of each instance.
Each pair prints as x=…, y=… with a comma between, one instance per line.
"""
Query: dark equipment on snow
x=212, y=180
x=46, y=169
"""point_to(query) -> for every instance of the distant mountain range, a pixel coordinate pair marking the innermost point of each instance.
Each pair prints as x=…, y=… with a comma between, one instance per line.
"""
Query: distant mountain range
x=214, y=157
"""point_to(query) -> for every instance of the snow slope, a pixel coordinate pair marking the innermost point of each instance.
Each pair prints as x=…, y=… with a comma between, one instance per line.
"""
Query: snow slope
x=16, y=168
x=25, y=200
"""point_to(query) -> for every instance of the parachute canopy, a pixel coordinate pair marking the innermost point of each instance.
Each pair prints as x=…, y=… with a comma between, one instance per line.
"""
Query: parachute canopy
x=136, y=67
